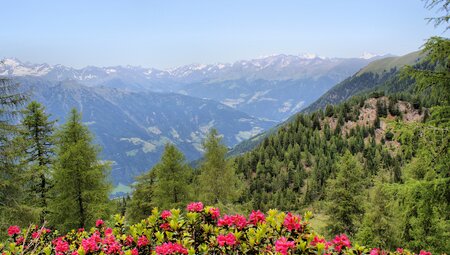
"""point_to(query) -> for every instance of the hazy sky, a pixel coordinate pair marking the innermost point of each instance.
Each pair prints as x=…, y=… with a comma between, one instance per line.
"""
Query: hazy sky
x=166, y=33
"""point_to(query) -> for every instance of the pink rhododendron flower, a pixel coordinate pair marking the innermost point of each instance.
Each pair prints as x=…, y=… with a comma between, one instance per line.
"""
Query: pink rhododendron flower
x=35, y=235
x=108, y=231
x=19, y=240
x=374, y=251
x=341, y=241
x=165, y=226
x=292, y=222
x=74, y=253
x=129, y=240
x=142, y=241
x=235, y=220
x=422, y=252
x=229, y=239
x=195, y=207
x=318, y=240
x=282, y=245
x=256, y=217
x=165, y=214
x=134, y=251
x=99, y=223
x=170, y=248
x=61, y=246
x=90, y=244
x=214, y=212
x=13, y=230
x=400, y=250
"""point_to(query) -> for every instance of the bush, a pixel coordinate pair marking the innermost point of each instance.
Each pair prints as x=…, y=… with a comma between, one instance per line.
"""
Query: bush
x=201, y=230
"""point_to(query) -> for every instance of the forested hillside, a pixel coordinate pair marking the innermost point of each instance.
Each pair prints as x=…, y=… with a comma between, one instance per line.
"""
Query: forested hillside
x=382, y=74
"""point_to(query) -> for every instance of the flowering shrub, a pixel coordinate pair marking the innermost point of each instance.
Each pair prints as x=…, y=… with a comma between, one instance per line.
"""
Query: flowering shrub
x=201, y=230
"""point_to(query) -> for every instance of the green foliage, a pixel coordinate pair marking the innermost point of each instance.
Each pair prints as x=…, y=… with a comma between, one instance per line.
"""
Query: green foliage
x=217, y=181
x=80, y=192
x=444, y=6
x=200, y=230
x=173, y=177
x=423, y=199
x=344, y=196
x=434, y=73
x=142, y=200
x=12, y=208
x=379, y=226
x=37, y=136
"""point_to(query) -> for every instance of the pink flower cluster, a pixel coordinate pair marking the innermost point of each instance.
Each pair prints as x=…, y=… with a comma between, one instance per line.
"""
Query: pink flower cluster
x=214, y=212
x=111, y=246
x=99, y=223
x=13, y=230
x=170, y=248
x=341, y=241
x=37, y=234
x=239, y=221
x=143, y=241
x=229, y=239
x=256, y=217
x=61, y=246
x=166, y=214
x=91, y=244
x=318, y=240
x=282, y=245
x=195, y=207
x=292, y=222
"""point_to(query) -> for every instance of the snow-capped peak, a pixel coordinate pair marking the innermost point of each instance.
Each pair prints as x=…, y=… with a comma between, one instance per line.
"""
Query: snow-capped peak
x=308, y=55
x=369, y=55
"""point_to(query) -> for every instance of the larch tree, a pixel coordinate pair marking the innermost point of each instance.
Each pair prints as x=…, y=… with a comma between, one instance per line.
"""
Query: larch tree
x=37, y=134
x=343, y=195
x=173, y=176
x=217, y=182
x=142, y=201
x=80, y=191
x=12, y=209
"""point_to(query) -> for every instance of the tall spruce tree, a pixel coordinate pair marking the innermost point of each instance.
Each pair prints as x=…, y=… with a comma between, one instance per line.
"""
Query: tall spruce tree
x=37, y=134
x=80, y=191
x=173, y=176
x=344, y=198
x=12, y=210
x=217, y=181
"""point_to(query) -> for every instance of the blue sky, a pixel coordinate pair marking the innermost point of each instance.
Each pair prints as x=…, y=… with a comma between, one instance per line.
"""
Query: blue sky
x=166, y=34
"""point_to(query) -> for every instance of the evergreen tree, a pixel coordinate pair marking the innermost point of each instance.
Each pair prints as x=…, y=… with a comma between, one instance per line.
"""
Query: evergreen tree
x=12, y=210
x=343, y=194
x=80, y=180
x=38, y=131
x=173, y=175
x=217, y=181
x=424, y=198
x=142, y=201
x=379, y=226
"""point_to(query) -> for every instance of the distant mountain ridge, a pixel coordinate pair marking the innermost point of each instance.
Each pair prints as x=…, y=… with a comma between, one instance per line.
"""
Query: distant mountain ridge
x=272, y=87
x=274, y=67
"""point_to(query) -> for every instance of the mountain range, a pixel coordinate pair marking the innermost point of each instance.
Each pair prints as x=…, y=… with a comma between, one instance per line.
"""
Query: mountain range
x=272, y=87
x=134, y=111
